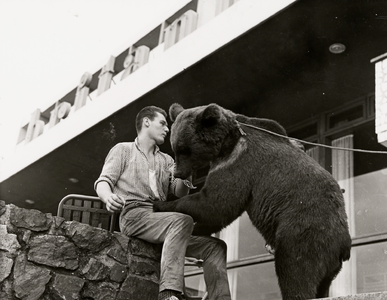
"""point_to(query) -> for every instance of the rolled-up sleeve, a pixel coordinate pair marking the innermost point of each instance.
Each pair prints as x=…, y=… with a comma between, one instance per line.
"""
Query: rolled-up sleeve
x=113, y=167
x=174, y=181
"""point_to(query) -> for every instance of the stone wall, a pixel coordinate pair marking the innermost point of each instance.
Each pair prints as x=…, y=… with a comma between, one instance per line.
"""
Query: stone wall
x=371, y=296
x=46, y=257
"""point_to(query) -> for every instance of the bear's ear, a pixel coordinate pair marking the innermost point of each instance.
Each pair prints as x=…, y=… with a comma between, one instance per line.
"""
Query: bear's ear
x=210, y=116
x=174, y=110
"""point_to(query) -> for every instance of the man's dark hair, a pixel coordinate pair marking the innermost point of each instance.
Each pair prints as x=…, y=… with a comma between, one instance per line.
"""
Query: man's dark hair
x=148, y=112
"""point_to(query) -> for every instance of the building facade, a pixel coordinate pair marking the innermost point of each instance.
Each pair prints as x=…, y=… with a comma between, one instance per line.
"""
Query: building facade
x=317, y=67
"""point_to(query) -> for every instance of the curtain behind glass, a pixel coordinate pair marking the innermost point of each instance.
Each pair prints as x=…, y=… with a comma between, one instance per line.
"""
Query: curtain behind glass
x=342, y=171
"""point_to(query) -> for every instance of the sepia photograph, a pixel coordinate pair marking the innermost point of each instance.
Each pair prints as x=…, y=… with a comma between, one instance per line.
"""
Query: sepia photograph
x=193, y=149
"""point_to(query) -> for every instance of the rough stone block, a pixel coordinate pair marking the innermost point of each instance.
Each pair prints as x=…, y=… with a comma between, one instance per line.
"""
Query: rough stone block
x=144, y=268
x=54, y=251
x=57, y=226
x=4, y=296
x=2, y=207
x=31, y=219
x=95, y=270
x=5, y=266
x=122, y=239
x=5, y=218
x=26, y=234
x=133, y=284
x=118, y=273
x=66, y=287
x=101, y=291
x=29, y=280
x=144, y=249
x=118, y=253
x=8, y=241
x=88, y=237
x=6, y=290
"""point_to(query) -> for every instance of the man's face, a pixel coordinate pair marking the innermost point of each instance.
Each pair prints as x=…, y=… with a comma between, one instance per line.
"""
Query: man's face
x=158, y=129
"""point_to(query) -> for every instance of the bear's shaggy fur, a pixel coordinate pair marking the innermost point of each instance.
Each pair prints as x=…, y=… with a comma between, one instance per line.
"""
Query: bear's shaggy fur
x=294, y=203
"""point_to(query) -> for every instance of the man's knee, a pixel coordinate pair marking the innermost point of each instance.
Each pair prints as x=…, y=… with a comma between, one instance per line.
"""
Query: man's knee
x=216, y=248
x=183, y=222
x=220, y=246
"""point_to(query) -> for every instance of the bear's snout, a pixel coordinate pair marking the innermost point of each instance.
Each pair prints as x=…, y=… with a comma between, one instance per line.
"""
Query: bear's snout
x=182, y=173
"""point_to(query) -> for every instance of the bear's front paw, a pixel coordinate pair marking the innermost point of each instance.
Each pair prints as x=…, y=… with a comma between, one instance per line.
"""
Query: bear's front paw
x=160, y=206
x=270, y=249
x=156, y=206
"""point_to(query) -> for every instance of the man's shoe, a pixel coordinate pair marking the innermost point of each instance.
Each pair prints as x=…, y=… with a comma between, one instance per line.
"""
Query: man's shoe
x=172, y=298
x=169, y=295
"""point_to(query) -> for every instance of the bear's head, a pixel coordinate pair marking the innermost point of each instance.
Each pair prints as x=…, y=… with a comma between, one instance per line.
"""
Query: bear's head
x=198, y=135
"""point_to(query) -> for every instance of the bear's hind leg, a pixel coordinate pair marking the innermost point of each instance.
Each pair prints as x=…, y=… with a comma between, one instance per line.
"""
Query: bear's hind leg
x=296, y=288
x=323, y=288
x=298, y=279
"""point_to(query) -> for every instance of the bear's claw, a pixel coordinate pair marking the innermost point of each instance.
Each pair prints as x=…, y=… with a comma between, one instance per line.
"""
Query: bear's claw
x=270, y=249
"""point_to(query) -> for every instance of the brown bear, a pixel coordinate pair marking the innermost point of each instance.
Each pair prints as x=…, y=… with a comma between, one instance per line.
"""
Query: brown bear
x=294, y=203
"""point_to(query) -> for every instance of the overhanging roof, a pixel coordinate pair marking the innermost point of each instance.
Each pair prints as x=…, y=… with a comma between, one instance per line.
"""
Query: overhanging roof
x=280, y=69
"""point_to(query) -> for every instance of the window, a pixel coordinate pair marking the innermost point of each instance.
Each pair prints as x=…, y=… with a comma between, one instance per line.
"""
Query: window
x=345, y=116
x=371, y=268
x=257, y=282
x=246, y=283
x=364, y=177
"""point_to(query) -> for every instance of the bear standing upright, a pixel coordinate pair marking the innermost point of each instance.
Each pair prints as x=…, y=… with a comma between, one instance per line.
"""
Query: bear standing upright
x=294, y=203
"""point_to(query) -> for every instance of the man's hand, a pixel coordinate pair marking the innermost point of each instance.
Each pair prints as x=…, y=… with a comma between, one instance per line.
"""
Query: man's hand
x=114, y=203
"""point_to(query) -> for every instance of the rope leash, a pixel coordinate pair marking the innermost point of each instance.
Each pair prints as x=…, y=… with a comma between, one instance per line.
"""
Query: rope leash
x=305, y=142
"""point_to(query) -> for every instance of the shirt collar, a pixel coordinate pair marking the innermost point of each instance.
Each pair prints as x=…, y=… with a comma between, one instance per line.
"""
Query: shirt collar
x=157, y=149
